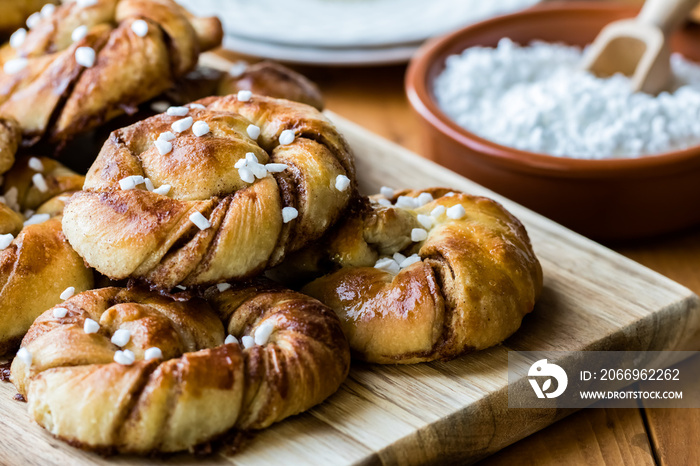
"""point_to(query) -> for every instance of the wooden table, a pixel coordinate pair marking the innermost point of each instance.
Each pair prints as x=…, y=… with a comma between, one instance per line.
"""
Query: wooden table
x=375, y=99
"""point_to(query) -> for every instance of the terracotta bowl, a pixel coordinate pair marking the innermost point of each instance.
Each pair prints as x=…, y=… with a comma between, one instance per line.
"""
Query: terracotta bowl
x=604, y=199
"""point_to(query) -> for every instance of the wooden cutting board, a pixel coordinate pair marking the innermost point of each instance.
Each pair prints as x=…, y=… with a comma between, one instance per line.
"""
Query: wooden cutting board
x=456, y=411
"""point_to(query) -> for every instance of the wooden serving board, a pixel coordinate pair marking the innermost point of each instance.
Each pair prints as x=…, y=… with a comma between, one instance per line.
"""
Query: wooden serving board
x=456, y=411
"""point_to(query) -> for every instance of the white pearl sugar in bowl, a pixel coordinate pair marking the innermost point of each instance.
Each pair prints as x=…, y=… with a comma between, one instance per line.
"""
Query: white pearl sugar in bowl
x=536, y=98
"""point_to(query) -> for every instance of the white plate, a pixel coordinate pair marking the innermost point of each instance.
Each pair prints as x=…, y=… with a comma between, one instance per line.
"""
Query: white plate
x=349, y=24
x=322, y=56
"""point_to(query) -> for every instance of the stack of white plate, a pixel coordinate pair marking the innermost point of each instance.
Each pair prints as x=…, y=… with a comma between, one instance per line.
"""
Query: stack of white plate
x=343, y=32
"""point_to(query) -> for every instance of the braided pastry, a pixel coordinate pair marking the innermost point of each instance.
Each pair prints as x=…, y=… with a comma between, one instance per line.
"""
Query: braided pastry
x=210, y=210
x=176, y=382
x=83, y=65
x=432, y=277
x=37, y=265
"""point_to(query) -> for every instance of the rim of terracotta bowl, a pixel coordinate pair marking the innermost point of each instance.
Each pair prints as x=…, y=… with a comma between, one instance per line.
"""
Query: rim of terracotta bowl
x=430, y=60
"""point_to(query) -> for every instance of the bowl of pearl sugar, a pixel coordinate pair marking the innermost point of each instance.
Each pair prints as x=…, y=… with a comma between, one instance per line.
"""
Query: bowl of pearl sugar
x=506, y=103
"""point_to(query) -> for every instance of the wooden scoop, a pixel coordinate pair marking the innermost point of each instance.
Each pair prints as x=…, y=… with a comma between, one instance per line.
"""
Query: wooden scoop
x=639, y=47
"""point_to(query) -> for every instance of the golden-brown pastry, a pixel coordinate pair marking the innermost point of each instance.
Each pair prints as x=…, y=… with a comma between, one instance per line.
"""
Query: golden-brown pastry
x=11, y=221
x=10, y=136
x=220, y=76
x=221, y=202
x=83, y=65
x=13, y=13
x=35, y=269
x=36, y=262
x=272, y=79
x=24, y=189
x=134, y=371
x=425, y=275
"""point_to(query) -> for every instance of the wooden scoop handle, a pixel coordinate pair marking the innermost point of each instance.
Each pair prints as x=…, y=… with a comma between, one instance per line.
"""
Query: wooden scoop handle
x=667, y=15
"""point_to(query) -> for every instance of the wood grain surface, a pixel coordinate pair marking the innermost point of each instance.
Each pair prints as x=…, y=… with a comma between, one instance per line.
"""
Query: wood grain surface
x=602, y=436
x=673, y=430
x=446, y=411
